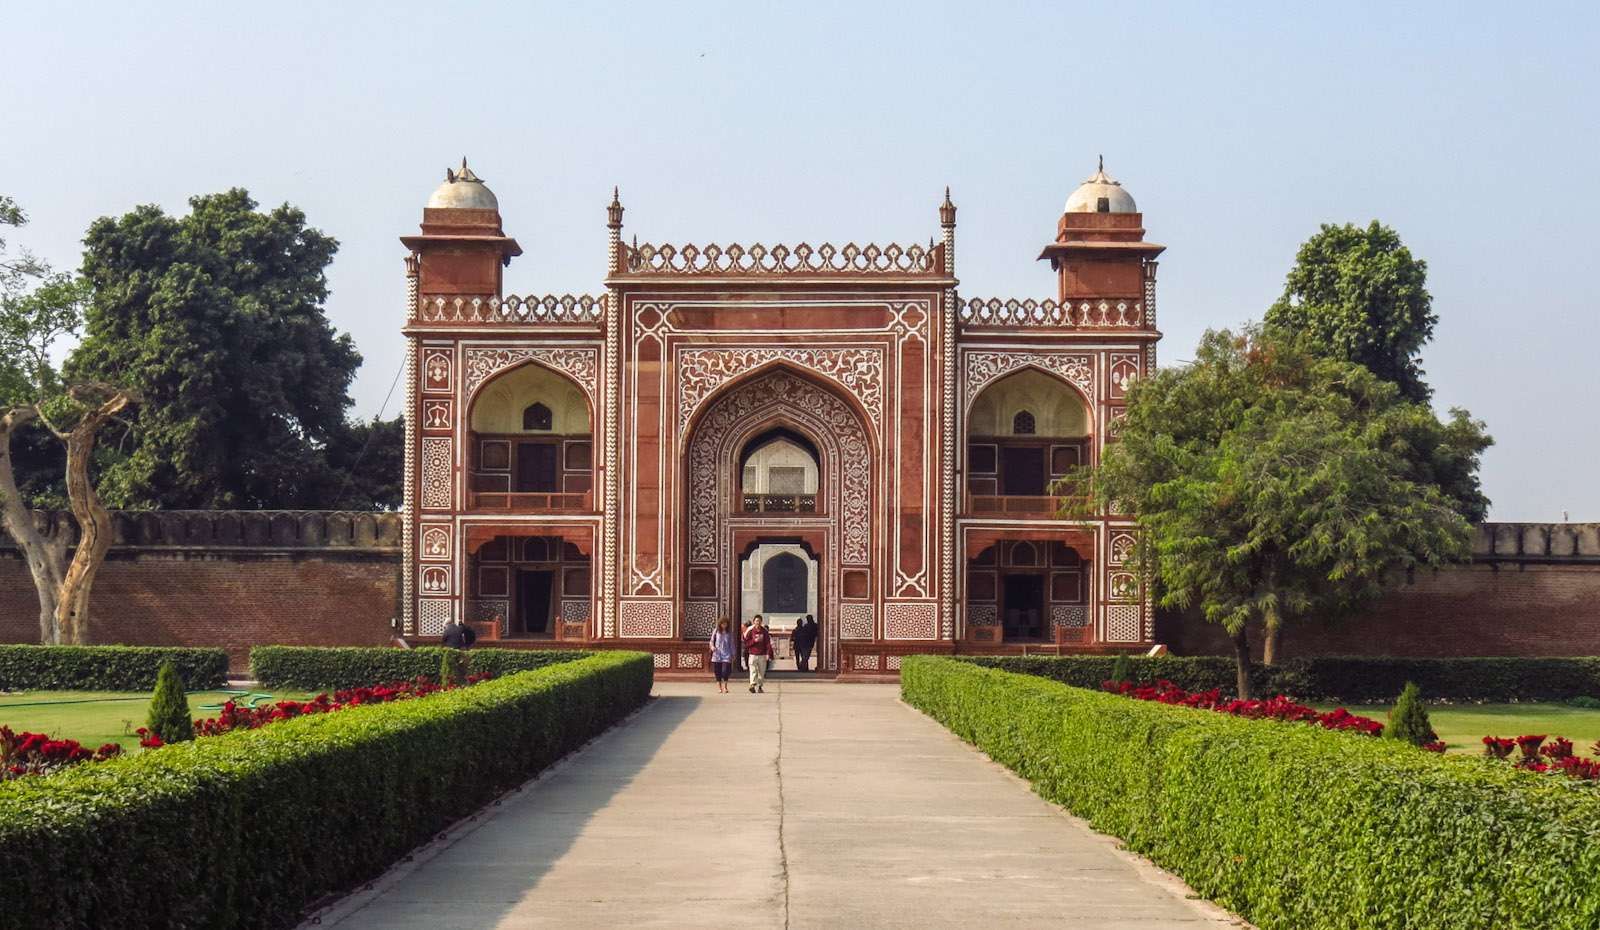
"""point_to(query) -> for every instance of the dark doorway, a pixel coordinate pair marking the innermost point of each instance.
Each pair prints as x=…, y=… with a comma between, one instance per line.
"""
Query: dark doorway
x=783, y=585
x=1024, y=472
x=536, y=467
x=533, y=601
x=1024, y=607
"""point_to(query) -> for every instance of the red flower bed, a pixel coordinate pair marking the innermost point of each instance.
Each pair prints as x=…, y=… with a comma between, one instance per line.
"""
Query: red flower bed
x=234, y=717
x=1278, y=708
x=35, y=753
x=1538, y=756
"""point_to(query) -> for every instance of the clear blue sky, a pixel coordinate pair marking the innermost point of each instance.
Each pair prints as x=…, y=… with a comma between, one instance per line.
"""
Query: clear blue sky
x=1469, y=128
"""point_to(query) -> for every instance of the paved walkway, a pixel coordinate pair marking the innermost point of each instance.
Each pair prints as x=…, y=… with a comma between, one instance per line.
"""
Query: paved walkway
x=813, y=805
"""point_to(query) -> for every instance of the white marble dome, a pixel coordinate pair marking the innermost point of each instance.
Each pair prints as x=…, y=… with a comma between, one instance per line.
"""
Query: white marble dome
x=463, y=190
x=1086, y=199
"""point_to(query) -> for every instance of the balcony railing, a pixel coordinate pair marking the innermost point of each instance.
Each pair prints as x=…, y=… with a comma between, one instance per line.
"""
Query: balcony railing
x=780, y=503
x=528, y=502
x=1014, y=505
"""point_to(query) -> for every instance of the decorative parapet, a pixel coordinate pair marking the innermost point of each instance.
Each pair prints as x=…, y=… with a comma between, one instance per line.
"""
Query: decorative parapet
x=783, y=260
x=239, y=529
x=1536, y=542
x=1083, y=314
x=564, y=309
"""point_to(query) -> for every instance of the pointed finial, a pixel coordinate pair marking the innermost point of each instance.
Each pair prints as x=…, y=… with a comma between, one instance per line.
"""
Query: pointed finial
x=465, y=174
x=614, y=211
x=1102, y=168
x=947, y=211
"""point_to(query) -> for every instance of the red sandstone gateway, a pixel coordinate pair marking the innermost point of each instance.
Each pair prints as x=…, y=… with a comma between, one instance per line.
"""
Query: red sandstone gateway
x=783, y=430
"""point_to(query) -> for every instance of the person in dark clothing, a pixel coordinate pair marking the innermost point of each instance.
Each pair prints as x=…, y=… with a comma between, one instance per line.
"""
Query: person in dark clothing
x=458, y=635
x=804, y=639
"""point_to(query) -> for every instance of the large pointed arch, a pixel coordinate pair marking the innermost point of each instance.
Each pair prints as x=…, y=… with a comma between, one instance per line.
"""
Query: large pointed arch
x=776, y=398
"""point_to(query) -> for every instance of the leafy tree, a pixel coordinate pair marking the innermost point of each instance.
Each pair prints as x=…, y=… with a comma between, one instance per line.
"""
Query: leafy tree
x=1409, y=719
x=1273, y=484
x=1358, y=295
x=169, y=708
x=217, y=316
x=38, y=307
x=365, y=465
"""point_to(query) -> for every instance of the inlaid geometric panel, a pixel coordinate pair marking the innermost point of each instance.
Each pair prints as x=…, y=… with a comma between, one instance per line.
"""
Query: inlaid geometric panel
x=983, y=615
x=1124, y=371
x=436, y=542
x=892, y=663
x=1069, y=615
x=856, y=621
x=480, y=610
x=433, y=579
x=910, y=621
x=663, y=660
x=436, y=468
x=575, y=611
x=1123, y=624
x=699, y=619
x=691, y=660
x=436, y=414
x=646, y=618
x=866, y=662
x=1123, y=586
x=432, y=616
x=436, y=367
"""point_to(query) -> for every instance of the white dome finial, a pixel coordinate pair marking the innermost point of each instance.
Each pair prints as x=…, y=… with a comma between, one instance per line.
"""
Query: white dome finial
x=463, y=190
x=1100, y=194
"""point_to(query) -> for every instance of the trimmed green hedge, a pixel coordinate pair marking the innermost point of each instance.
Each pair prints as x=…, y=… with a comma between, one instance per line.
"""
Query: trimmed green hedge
x=1291, y=826
x=312, y=667
x=107, y=668
x=1349, y=679
x=246, y=829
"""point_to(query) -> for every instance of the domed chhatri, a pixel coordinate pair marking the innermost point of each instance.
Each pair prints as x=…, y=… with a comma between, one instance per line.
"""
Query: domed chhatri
x=463, y=190
x=1100, y=194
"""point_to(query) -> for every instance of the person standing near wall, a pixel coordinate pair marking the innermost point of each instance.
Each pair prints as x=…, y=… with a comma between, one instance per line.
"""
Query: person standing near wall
x=804, y=639
x=758, y=646
x=722, y=646
x=457, y=635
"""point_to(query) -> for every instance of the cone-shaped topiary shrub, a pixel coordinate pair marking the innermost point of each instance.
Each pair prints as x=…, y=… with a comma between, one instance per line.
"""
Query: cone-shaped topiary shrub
x=169, y=709
x=1409, y=719
x=1121, y=669
x=453, y=668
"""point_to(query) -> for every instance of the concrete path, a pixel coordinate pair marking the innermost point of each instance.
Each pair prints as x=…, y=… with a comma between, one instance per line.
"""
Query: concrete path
x=813, y=805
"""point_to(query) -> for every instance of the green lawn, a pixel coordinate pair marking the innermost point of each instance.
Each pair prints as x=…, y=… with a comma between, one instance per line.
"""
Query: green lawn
x=1463, y=726
x=95, y=718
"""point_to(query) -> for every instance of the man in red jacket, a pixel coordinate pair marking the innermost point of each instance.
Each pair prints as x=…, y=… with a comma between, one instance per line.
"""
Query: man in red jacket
x=758, y=643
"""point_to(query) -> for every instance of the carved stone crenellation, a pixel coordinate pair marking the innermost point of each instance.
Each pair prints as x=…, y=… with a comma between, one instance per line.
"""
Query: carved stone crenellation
x=802, y=259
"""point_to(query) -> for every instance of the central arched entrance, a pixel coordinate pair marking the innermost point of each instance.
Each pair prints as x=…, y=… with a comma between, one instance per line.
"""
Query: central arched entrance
x=778, y=474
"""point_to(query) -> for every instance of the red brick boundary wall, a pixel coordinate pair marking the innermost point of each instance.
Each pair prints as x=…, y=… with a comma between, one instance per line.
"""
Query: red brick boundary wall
x=1532, y=589
x=230, y=579
x=329, y=578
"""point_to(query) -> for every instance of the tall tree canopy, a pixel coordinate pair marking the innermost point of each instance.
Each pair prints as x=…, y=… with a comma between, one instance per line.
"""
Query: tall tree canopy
x=1274, y=484
x=218, y=317
x=1358, y=295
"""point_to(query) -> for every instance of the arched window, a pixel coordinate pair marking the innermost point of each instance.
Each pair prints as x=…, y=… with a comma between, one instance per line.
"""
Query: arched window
x=783, y=584
x=536, y=417
x=1022, y=424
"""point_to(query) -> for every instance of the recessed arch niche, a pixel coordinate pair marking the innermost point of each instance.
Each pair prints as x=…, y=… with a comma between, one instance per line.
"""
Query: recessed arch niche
x=1024, y=432
x=531, y=442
